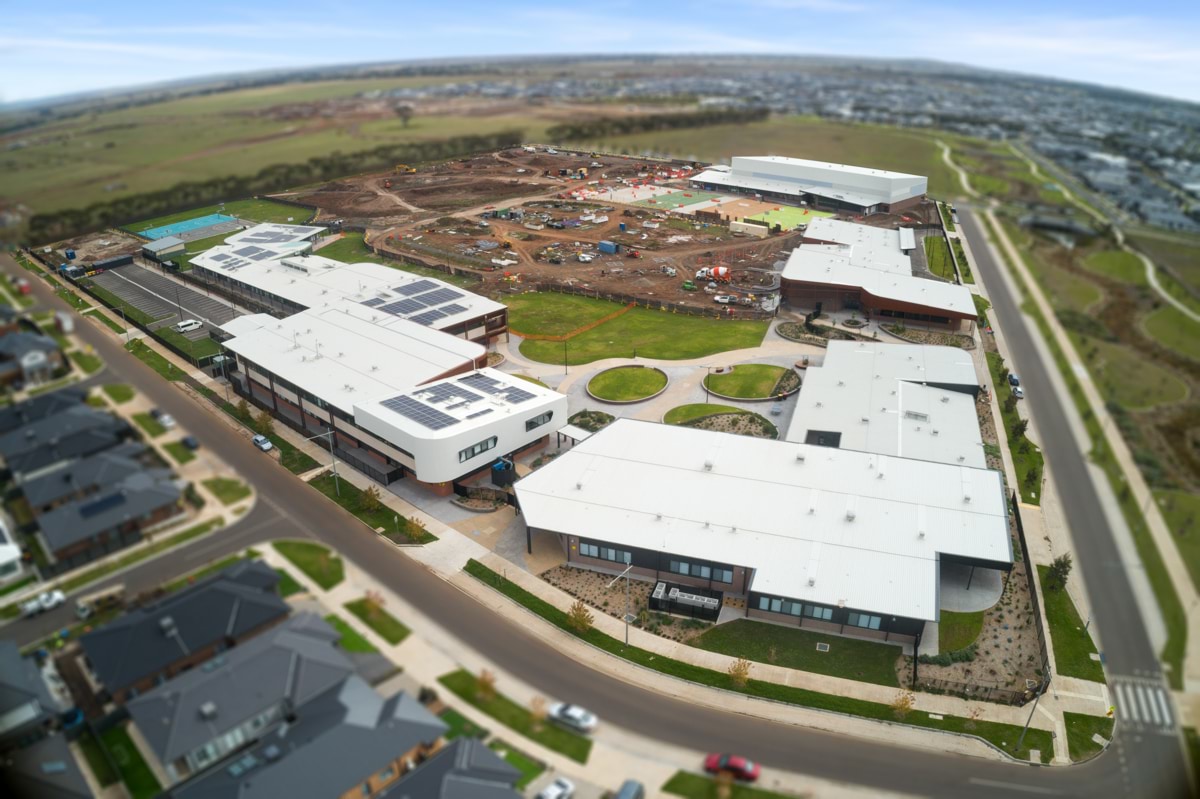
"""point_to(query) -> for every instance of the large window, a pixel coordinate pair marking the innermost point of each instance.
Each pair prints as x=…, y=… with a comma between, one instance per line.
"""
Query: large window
x=538, y=421
x=818, y=612
x=702, y=570
x=777, y=605
x=476, y=449
x=605, y=553
x=864, y=620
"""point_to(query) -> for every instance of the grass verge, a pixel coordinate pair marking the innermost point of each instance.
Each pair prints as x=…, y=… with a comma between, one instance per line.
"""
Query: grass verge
x=1027, y=456
x=460, y=726
x=371, y=513
x=352, y=640
x=118, y=392
x=227, y=490
x=111, y=324
x=287, y=584
x=530, y=769
x=158, y=363
x=318, y=563
x=1073, y=646
x=517, y=718
x=1002, y=736
x=1080, y=729
x=387, y=626
x=88, y=362
x=179, y=452
x=695, y=786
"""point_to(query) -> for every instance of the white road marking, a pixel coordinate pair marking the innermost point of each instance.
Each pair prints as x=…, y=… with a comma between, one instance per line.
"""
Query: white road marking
x=1150, y=694
x=1166, y=708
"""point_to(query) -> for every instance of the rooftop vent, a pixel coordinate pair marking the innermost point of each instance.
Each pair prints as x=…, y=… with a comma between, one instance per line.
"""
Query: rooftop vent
x=708, y=464
x=812, y=581
x=945, y=399
x=850, y=515
x=800, y=457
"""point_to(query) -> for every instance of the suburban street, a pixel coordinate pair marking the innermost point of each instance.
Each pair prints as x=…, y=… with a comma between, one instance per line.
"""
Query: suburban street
x=1149, y=765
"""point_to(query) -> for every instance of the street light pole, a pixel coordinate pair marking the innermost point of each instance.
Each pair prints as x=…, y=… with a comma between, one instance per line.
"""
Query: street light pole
x=624, y=574
x=328, y=435
x=1032, y=710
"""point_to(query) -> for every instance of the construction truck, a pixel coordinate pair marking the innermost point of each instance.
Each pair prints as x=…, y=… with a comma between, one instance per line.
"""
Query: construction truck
x=405, y=169
x=718, y=273
x=669, y=271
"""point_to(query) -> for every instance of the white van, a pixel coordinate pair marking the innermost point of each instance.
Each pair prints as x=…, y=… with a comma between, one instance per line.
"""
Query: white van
x=187, y=326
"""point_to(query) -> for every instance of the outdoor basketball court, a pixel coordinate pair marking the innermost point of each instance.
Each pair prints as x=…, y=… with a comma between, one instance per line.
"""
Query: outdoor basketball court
x=201, y=227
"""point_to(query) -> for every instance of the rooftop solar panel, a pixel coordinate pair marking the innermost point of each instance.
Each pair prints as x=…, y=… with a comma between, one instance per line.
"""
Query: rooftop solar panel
x=249, y=252
x=401, y=307
x=513, y=395
x=452, y=308
x=415, y=288
x=477, y=414
x=427, y=318
x=439, y=296
x=372, y=303
x=419, y=412
x=445, y=392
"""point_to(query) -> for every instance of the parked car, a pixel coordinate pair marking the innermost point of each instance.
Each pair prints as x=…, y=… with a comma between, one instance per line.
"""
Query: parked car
x=1018, y=392
x=561, y=788
x=187, y=325
x=190, y=442
x=47, y=600
x=263, y=443
x=1013, y=380
x=573, y=716
x=737, y=766
x=630, y=789
x=167, y=421
x=725, y=299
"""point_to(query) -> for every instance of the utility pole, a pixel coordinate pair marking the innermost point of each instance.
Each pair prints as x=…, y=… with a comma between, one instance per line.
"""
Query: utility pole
x=624, y=574
x=1032, y=710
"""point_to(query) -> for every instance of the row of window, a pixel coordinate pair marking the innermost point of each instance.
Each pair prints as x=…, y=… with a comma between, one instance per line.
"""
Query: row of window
x=605, y=553
x=702, y=570
x=538, y=421
x=476, y=449
x=777, y=605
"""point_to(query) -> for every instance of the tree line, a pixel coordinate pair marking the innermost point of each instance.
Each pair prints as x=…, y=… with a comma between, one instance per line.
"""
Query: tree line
x=192, y=194
x=594, y=129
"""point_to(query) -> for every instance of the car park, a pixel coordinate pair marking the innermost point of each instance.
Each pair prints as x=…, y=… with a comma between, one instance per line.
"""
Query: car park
x=47, y=600
x=187, y=325
x=573, y=716
x=735, y=765
x=263, y=443
x=561, y=788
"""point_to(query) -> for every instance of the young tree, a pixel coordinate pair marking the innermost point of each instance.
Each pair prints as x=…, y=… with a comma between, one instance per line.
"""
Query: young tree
x=243, y=410
x=739, y=672
x=579, y=617
x=1003, y=375
x=537, y=712
x=370, y=500
x=485, y=686
x=1060, y=569
x=723, y=785
x=405, y=112
x=1019, y=428
x=264, y=424
x=1010, y=403
x=902, y=705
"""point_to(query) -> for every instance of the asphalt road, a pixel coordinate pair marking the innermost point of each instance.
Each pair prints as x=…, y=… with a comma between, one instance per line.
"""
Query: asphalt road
x=286, y=509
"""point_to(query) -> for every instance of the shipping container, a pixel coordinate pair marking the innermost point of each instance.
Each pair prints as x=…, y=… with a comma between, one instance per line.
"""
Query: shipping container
x=609, y=247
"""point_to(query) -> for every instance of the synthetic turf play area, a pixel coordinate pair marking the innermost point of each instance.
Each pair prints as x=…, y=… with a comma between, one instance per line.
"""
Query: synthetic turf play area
x=678, y=198
x=789, y=216
x=186, y=226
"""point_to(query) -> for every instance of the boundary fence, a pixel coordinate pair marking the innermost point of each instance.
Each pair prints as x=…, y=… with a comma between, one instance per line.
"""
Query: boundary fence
x=724, y=312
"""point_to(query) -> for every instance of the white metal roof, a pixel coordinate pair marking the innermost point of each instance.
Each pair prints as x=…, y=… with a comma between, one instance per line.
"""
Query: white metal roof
x=724, y=177
x=271, y=233
x=873, y=394
x=870, y=258
x=853, y=184
x=346, y=360
x=836, y=527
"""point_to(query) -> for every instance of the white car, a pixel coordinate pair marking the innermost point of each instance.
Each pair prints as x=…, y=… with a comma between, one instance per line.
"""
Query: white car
x=263, y=443
x=187, y=326
x=725, y=299
x=47, y=600
x=573, y=716
x=1018, y=392
x=167, y=421
x=561, y=788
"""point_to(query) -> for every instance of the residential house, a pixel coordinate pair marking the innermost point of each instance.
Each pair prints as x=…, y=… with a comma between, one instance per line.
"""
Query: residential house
x=463, y=769
x=27, y=710
x=37, y=408
x=83, y=478
x=45, y=770
x=154, y=643
x=47, y=443
x=28, y=359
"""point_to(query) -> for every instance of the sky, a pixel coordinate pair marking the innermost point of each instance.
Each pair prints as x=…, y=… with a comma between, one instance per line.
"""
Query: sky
x=68, y=46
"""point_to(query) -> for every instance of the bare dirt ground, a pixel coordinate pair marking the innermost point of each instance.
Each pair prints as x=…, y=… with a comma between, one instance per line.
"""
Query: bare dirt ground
x=98, y=246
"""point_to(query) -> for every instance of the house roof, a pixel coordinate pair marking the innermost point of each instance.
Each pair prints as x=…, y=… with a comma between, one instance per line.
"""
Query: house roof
x=39, y=407
x=229, y=604
x=15, y=345
x=137, y=494
x=337, y=741
x=21, y=684
x=45, y=432
x=93, y=472
x=78, y=445
x=293, y=663
x=464, y=769
x=46, y=769
x=830, y=526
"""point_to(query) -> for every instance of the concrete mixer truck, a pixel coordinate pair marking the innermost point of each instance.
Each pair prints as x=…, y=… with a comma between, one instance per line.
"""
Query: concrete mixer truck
x=718, y=273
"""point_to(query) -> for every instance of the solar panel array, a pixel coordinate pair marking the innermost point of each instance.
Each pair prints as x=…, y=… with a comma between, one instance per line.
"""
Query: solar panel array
x=415, y=288
x=402, y=307
x=447, y=393
x=427, y=318
x=371, y=303
x=419, y=412
x=513, y=395
x=440, y=296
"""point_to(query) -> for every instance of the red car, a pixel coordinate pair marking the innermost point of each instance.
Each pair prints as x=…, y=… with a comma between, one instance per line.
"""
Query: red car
x=739, y=767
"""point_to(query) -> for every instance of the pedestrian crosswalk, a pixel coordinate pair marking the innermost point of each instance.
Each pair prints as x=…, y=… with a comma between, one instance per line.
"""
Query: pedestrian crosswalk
x=1143, y=703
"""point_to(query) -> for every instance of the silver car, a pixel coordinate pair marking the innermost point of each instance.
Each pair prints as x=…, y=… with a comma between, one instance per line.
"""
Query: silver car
x=573, y=716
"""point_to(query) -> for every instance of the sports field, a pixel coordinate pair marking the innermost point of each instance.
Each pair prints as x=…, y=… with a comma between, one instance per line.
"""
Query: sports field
x=185, y=226
x=677, y=198
x=789, y=216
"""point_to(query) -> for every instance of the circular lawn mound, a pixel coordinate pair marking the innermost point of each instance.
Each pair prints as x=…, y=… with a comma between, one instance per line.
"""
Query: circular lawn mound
x=627, y=384
x=753, y=381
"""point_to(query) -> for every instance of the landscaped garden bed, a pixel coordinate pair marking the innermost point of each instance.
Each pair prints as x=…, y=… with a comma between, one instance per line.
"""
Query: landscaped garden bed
x=722, y=418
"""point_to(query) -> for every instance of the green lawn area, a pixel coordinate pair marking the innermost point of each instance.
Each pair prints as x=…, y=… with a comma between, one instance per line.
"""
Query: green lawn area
x=747, y=380
x=118, y=392
x=1181, y=511
x=1065, y=289
x=533, y=380
x=1174, y=330
x=947, y=218
x=964, y=263
x=351, y=498
x=88, y=362
x=652, y=334
x=352, y=249
x=1118, y=265
x=1127, y=377
x=1080, y=729
x=179, y=452
x=552, y=314
x=958, y=630
x=96, y=401
x=227, y=490
x=989, y=185
x=197, y=349
x=112, y=324
x=136, y=775
x=352, y=640
x=627, y=383
x=696, y=786
x=287, y=584
x=385, y=624
x=1073, y=645
x=157, y=362
x=682, y=414
x=101, y=769
x=460, y=726
x=17, y=585
x=530, y=769
x=1003, y=736
x=1027, y=457
x=795, y=648
x=1181, y=254
x=937, y=257
x=518, y=718
x=149, y=425
x=321, y=566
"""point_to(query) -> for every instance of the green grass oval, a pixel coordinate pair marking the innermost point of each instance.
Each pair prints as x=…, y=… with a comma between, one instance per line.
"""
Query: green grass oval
x=747, y=381
x=627, y=383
